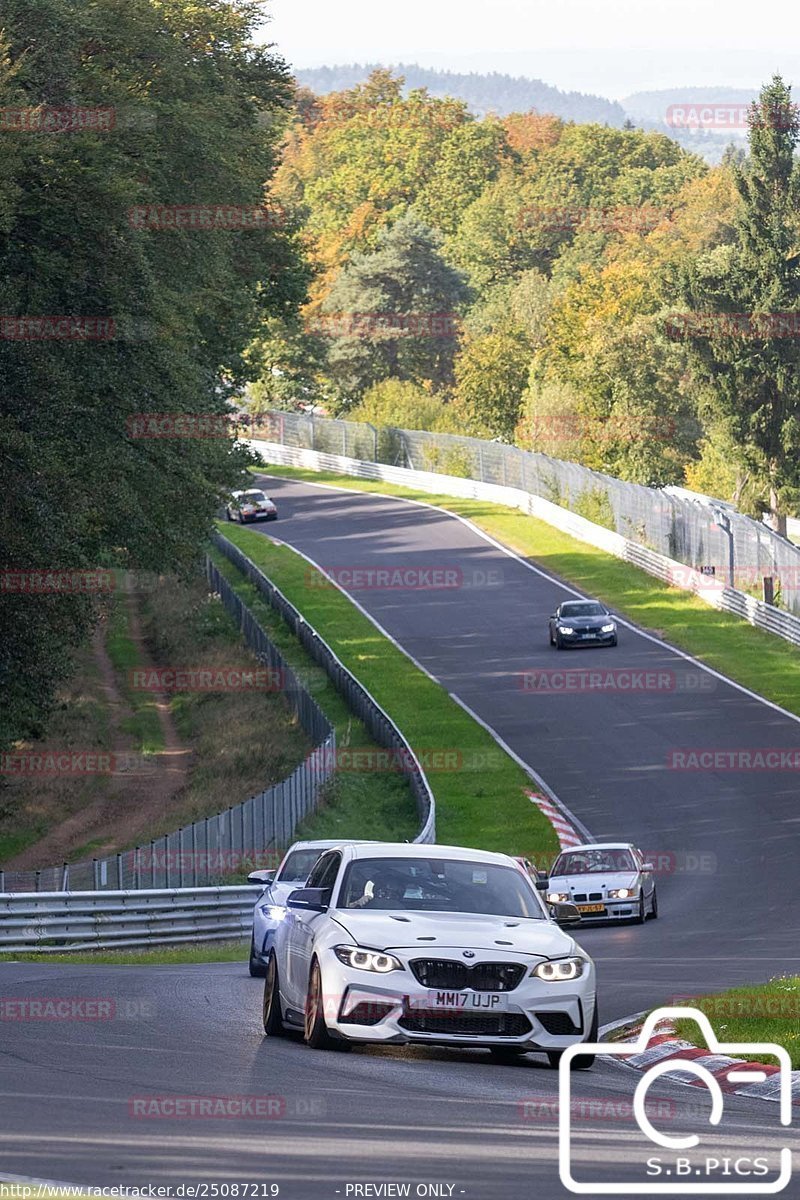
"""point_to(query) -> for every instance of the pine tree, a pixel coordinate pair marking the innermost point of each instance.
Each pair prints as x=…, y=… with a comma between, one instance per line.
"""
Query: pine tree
x=746, y=350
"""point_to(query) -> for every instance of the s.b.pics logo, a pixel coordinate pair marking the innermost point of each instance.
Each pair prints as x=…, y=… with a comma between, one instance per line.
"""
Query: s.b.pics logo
x=700, y=1158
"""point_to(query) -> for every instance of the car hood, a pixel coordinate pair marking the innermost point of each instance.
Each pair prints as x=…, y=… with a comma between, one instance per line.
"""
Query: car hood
x=596, y=882
x=435, y=931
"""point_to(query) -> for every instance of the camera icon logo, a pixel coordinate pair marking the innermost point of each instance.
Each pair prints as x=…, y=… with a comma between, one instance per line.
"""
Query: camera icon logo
x=700, y=1173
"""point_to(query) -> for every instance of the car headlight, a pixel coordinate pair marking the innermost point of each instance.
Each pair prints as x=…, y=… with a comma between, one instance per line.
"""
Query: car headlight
x=367, y=960
x=608, y=628
x=274, y=911
x=560, y=971
x=621, y=893
x=565, y=629
x=557, y=897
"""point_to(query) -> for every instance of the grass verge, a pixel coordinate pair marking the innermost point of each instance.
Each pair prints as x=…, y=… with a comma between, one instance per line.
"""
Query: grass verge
x=479, y=790
x=758, y=660
x=209, y=952
x=766, y=1012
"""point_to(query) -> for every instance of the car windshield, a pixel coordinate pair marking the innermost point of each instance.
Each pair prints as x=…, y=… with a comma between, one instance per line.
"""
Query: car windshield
x=593, y=862
x=587, y=609
x=438, y=885
x=298, y=864
x=253, y=497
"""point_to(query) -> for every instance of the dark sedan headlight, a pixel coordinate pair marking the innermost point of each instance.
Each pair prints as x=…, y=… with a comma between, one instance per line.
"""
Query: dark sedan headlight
x=367, y=960
x=608, y=628
x=565, y=629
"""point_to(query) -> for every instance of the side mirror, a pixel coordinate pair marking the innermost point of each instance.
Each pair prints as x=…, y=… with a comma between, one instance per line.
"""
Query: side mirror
x=648, y=867
x=565, y=915
x=542, y=883
x=553, y=616
x=262, y=878
x=309, y=899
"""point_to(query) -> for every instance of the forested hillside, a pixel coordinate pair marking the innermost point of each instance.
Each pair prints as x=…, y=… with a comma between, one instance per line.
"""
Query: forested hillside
x=528, y=278
x=482, y=93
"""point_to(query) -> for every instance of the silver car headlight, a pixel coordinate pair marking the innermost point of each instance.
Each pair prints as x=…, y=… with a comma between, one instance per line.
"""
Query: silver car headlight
x=621, y=893
x=560, y=971
x=557, y=897
x=367, y=960
x=275, y=912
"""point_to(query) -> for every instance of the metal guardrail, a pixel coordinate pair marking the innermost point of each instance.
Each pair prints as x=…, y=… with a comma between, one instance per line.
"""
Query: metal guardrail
x=251, y=833
x=379, y=724
x=52, y=922
x=756, y=612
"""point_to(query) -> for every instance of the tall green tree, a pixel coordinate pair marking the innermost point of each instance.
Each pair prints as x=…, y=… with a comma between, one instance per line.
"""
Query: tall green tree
x=746, y=354
x=188, y=92
x=392, y=312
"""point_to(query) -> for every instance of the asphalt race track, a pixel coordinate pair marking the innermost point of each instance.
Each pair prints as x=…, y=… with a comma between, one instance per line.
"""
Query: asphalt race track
x=451, y=1123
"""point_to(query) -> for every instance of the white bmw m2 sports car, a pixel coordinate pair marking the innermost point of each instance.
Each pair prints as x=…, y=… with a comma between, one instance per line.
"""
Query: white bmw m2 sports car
x=397, y=943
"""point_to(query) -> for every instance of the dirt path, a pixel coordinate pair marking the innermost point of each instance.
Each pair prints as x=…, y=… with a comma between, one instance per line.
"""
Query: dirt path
x=131, y=803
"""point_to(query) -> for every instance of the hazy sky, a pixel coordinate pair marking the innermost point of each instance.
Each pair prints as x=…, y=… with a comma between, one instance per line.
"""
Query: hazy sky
x=611, y=47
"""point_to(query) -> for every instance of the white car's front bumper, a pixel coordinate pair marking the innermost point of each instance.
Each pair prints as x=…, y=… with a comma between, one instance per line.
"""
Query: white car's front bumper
x=365, y=1007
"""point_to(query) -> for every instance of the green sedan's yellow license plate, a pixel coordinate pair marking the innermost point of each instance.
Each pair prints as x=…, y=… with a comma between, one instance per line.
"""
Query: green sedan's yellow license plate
x=591, y=907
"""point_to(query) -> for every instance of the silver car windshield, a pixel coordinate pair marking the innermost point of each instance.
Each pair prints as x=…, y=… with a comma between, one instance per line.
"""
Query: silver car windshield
x=593, y=862
x=297, y=867
x=438, y=885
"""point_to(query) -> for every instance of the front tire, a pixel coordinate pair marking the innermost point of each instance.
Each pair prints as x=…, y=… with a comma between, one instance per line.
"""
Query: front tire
x=581, y=1062
x=273, y=1021
x=257, y=968
x=641, y=916
x=316, y=1032
x=654, y=908
x=559, y=643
